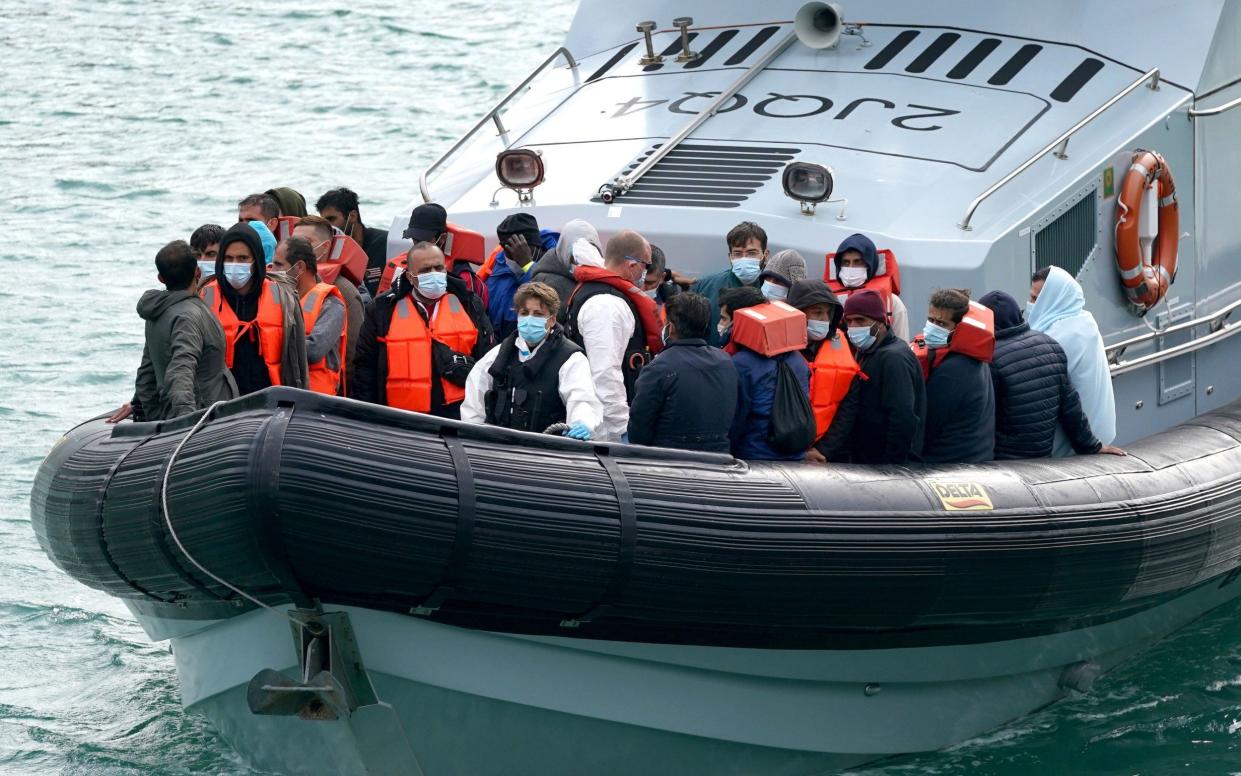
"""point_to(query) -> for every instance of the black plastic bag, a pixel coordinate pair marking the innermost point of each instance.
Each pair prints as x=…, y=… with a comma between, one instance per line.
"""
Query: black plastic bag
x=792, y=426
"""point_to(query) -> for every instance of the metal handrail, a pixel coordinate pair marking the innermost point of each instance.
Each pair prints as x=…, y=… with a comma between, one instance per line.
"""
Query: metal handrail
x=494, y=116
x=1218, y=109
x=1221, y=328
x=623, y=183
x=1059, y=145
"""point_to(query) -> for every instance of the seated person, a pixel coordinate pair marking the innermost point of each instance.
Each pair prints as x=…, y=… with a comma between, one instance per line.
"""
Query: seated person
x=757, y=375
x=536, y=377
x=960, y=397
x=686, y=397
x=420, y=340
x=264, y=337
x=833, y=370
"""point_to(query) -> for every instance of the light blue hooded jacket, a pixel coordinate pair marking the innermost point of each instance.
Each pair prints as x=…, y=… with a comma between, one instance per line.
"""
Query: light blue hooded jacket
x=1060, y=312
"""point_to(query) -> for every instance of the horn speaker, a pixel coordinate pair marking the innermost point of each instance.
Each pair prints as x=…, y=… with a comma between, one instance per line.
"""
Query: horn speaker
x=818, y=25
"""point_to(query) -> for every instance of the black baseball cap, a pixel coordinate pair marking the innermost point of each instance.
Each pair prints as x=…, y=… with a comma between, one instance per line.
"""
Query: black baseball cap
x=427, y=222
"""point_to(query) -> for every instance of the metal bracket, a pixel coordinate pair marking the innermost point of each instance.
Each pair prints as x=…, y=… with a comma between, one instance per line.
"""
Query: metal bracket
x=334, y=683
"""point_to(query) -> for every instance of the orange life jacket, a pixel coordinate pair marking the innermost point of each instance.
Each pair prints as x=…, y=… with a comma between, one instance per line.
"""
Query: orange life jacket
x=460, y=244
x=886, y=282
x=643, y=304
x=323, y=379
x=973, y=337
x=831, y=375
x=267, y=327
x=345, y=257
x=409, y=350
x=284, y=227
x=490, y=264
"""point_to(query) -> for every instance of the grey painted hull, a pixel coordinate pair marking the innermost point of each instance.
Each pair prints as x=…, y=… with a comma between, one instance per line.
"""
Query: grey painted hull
x=461, y=701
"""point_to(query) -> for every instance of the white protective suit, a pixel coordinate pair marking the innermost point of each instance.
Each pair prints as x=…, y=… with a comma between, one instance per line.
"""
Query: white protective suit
x=1060, y=312
x=577, y=389
x=606, y=325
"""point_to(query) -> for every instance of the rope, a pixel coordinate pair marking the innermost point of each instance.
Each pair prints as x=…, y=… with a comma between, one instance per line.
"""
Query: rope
x=163, y=503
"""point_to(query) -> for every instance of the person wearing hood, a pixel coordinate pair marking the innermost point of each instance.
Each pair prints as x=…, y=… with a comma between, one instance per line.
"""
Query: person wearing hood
x=536, y=377
x=291, y=202
x=856, y=263
x=747, y=253
x=783, y=270
x=687, y=396
x=1033, y=393
x=265, y=341
x=555, y=267
x=260, y=207
x=833, y=370
x=892, y=398
x=521, y=245
x=960, y=397
x=1058, y=309
x=182, y=368
x=420, y=340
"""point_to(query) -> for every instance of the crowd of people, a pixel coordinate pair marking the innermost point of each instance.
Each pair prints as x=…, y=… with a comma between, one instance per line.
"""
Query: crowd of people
x=564, y=332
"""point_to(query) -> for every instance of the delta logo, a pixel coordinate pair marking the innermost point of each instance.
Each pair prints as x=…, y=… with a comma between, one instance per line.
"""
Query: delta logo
x=962, y=496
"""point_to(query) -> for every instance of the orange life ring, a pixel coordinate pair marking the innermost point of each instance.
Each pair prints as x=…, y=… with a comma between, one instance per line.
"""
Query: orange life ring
x=1146, y=280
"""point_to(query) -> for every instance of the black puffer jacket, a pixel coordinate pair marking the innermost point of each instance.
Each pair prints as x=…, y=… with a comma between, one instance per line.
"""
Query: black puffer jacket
x=1033, y=392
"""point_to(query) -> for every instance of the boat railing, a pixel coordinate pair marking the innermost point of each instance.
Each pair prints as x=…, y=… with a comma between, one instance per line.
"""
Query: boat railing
x=493, y=115
x=1219, y=326
x=1218, y=109
x=1061, y=144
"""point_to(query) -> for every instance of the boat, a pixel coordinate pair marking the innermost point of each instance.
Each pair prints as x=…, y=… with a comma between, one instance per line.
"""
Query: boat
x=356, y=589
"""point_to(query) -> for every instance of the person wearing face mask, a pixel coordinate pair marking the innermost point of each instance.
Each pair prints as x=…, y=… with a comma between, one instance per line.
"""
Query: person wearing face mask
x=205, y=247
x=521, y=245
x=856, y=264
x=182, y=368
x=323, y=314
x=687, y=396
x=340, y=207
x=732, y=300
x=747, y=253
x=955, y=349
x=319, y=232
x=610, y=317
x=265, y=340
x=833, y=370
x=536, y=377
x=774, y=286
x=420, y=340
x=892, y=399
x=659, y=285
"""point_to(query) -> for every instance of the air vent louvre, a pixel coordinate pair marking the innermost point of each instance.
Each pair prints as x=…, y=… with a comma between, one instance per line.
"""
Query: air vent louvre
x=1069, y=240
x=697, y=175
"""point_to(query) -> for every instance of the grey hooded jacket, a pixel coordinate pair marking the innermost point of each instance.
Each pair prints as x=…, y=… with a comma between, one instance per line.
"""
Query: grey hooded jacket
x=182, y=367
x=555, y=267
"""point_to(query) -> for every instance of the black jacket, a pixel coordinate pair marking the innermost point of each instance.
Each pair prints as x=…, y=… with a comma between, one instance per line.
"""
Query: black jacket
x=370, y=368
x=685, y=398
x=891, y=404
x=960, y=412
x=1033, y=394
x=527, y=396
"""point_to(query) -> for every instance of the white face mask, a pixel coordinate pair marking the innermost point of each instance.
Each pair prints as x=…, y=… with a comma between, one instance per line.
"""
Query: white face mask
x=237, y=275
x=852, y=277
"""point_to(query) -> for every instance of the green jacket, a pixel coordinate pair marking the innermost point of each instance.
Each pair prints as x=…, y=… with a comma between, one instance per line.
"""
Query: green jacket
x=182, y=366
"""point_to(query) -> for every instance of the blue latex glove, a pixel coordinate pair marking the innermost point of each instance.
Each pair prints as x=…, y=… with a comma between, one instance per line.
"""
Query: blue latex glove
x=578, y=430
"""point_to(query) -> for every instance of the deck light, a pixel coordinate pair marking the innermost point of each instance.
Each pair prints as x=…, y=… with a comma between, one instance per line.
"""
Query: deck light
x=521, y=170
x=808, y=183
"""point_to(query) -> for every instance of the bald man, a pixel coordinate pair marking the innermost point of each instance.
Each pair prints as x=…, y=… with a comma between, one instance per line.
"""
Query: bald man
x=420, y=340
x=610, y=317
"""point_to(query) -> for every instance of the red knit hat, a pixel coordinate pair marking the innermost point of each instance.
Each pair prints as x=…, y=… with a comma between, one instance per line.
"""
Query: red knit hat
x=866, y=303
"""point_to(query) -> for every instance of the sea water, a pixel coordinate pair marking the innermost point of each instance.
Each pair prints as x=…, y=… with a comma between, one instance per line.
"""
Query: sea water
x=124, y=125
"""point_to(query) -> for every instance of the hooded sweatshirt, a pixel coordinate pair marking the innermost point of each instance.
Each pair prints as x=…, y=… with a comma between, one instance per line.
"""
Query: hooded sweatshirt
x=291, y=202
x=865, y=246
x=182, y=366
x=248, y=367
x=555, y=267
x=1060, y=312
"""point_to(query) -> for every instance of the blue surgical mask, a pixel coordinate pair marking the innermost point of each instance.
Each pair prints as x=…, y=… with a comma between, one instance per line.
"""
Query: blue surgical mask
x=433, y=285
x=771, y=291
x=746, y=270
x=532, y=328
x=934, y=335
x=207, y=267
x=237, y=275
x=818, y=330
x=861, y=338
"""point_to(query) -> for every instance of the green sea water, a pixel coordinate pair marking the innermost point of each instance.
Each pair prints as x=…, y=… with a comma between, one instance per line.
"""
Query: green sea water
x=124, y=125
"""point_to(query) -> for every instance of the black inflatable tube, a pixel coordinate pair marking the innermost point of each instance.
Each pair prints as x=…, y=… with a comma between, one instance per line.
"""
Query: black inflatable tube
x=354, y=504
